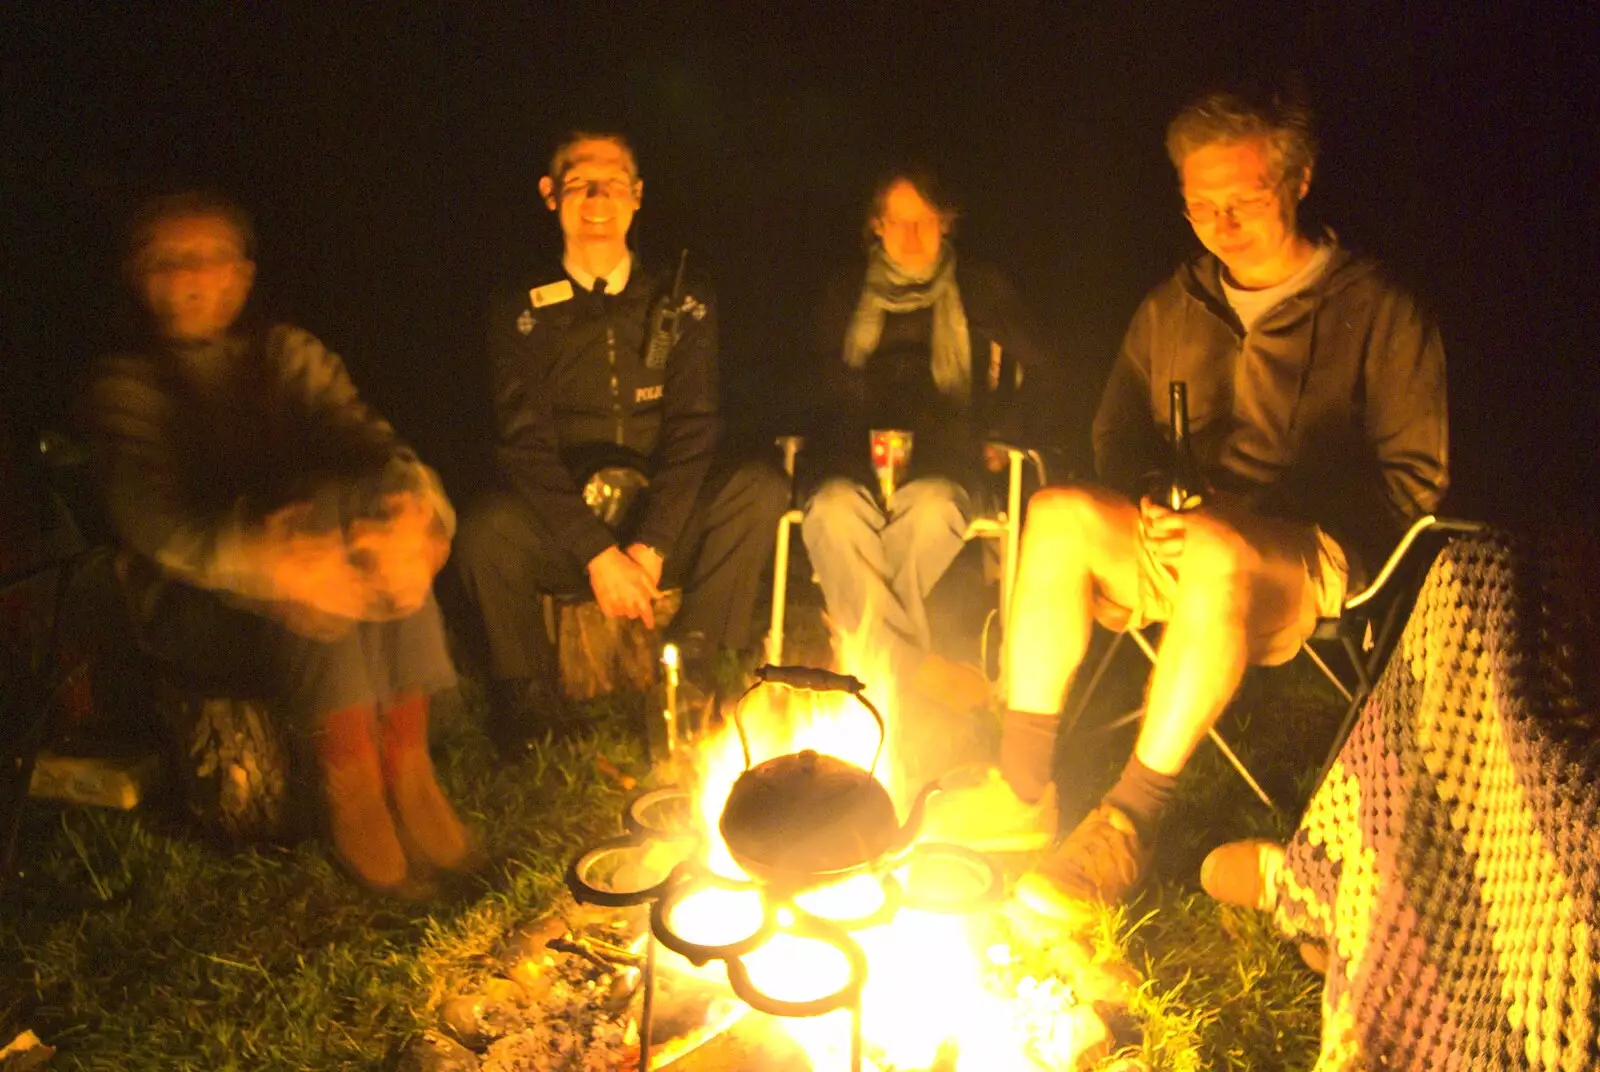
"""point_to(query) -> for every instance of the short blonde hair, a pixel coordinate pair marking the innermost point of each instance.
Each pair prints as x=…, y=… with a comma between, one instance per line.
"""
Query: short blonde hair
x=1280, y=116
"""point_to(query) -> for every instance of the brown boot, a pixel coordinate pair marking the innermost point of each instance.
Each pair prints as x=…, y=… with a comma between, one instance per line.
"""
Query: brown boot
x=429, y=820
x=358, y=815
x=1101, y=863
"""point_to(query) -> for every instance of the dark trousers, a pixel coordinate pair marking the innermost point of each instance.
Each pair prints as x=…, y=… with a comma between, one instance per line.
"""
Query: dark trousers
x=507, y=560
x=234, y=649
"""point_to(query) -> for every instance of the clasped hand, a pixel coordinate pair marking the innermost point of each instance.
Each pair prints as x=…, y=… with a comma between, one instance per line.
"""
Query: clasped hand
x=626, y=583
x=324, y=582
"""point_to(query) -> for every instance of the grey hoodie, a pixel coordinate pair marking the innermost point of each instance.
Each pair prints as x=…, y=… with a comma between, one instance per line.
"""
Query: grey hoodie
x=1345, y=421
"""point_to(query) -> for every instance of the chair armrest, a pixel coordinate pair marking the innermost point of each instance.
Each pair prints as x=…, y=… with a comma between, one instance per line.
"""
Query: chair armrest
x=1015, y=451
x=790, y=445
x=1424, y=524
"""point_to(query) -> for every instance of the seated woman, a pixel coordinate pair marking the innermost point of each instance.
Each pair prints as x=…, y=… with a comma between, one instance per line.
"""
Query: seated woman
x=919, y=342
x=284, y=541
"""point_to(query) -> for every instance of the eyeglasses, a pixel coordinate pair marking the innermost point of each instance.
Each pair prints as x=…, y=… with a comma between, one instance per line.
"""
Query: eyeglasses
x=1244, y=210
x=614, y=188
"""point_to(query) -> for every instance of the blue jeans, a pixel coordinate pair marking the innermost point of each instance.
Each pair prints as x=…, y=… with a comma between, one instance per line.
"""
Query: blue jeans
x=887, y=561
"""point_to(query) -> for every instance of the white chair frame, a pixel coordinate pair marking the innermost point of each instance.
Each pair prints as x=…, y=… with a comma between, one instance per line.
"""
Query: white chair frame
x=1005, y=528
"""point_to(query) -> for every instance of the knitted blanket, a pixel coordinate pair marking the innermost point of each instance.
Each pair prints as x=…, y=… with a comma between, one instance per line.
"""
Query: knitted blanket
x=1451, y=859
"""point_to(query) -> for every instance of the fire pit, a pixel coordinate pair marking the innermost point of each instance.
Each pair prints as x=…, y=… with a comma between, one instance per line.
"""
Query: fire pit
x=821, y=855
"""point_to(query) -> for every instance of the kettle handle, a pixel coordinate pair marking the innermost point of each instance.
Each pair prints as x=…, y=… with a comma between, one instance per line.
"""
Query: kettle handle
x=811, y=679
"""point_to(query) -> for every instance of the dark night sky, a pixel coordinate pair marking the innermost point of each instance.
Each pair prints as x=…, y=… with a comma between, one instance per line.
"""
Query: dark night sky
x=391, y=163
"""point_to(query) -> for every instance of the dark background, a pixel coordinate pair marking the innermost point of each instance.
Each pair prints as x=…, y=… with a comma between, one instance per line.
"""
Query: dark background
x=391, y=162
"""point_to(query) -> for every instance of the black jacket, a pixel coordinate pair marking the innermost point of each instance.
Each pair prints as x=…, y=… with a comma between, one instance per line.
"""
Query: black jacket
x=895, y=387
x=572, y=392
x=1358, y=443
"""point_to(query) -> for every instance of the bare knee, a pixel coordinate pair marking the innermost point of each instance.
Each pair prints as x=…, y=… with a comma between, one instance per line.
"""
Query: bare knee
x=1219, y=563
x=1079, y=516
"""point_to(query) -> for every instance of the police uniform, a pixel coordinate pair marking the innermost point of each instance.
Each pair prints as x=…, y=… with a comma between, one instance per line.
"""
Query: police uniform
x=577, y=387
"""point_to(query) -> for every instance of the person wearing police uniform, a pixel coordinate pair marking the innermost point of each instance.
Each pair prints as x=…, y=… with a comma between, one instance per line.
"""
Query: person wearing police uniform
x=603, y=367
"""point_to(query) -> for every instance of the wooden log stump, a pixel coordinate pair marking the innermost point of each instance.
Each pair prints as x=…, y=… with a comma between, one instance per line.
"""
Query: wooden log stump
x=231, y=759
x=598, y=654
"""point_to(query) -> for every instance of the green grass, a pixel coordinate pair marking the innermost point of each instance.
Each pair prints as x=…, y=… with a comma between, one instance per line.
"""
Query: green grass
x=133, y=945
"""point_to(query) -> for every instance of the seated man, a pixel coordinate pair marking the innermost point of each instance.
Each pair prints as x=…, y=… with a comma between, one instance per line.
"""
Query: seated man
x=919, y=341
x=284, y=541
x=605, y=363
x=1317, y=401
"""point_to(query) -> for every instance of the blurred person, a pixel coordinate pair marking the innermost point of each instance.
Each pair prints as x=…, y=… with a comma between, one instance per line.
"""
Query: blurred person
x=602, y=363
x=282, y=541
x=1316, y=390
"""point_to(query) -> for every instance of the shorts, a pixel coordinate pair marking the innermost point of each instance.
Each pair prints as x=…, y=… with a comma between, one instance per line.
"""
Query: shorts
x=1324, y=577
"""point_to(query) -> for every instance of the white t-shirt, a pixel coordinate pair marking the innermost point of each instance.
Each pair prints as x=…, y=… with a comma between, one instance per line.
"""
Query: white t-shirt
x=1251, y=305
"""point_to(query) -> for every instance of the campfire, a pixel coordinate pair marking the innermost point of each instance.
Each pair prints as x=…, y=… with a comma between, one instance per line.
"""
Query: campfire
x=791, y=871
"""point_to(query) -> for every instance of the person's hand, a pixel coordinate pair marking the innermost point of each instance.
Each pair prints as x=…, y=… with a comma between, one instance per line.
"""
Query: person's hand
x=995, y=458
x=1162, y=530
x=621, y=586
x=647, y=558
x=400, y=552
x=309, y=568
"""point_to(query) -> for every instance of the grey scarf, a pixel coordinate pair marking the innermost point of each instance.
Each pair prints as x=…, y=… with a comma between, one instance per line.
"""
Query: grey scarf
x=888, y=289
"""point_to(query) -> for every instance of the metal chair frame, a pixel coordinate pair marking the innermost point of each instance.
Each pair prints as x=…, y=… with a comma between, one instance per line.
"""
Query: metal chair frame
x=1004, y=528
x=1366, y=630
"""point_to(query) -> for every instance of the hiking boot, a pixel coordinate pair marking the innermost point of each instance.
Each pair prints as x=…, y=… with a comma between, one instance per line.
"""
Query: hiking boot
x=359, y=822
x=1244, y=873
x=978, y=809
x=426, y=817
x=1101, y=862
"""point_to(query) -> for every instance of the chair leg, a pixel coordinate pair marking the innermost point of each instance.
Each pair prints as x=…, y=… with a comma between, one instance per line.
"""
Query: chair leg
x=1366, y=668
x=1094, y=680
x=1238, y=765
x=780, y=590
x=1216, y=738
x=1328, y=673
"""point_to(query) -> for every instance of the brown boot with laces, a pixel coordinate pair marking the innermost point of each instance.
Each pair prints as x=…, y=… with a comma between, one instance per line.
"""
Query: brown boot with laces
x=1101, y=862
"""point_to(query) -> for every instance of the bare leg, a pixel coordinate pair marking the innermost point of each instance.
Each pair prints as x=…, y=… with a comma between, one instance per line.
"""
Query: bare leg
x=1241, y=593
x=1077, y=541
x=1241, y=584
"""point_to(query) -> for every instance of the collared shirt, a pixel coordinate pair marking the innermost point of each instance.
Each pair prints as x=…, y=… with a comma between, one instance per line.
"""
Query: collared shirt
x=616, y=279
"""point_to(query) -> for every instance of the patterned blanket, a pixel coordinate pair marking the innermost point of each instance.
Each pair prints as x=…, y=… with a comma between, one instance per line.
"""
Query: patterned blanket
x=1451, y=859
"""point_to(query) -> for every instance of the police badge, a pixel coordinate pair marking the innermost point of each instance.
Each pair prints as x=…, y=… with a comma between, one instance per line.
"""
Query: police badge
x=525, y=322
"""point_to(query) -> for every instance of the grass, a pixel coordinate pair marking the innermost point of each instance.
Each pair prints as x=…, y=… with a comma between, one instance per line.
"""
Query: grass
x=133, y=945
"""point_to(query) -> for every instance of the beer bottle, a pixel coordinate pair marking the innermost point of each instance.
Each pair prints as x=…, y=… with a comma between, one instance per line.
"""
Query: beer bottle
x=1184, y=485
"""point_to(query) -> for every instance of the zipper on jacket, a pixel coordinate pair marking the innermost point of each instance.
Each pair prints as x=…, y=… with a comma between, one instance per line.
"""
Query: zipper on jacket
x=616, y=397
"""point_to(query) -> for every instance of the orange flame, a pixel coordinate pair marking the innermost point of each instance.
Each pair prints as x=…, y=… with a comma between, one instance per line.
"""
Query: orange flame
x=927, y=994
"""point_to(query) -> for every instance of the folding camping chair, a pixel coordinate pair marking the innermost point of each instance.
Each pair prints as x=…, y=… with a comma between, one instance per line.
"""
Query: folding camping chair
x=1003, y=527
x=1366, y=631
